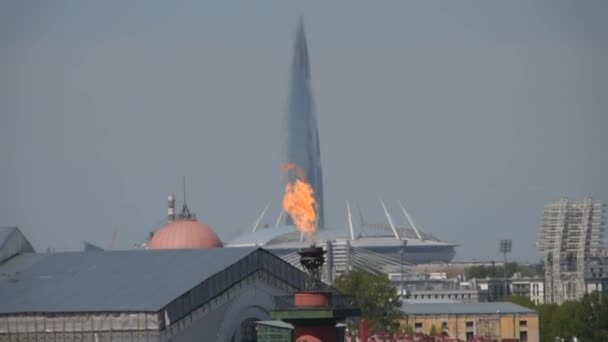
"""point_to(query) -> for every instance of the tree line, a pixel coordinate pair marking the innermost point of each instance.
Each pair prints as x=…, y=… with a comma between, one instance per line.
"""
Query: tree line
x=586, y=319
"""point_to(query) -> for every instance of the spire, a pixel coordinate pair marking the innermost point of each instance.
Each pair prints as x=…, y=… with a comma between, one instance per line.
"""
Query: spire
x=302, y=135
x=300, y=52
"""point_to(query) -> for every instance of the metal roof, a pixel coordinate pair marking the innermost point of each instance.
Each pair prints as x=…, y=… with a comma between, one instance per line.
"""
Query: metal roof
x=13, y=242
x=112, y=281
x=463, y=308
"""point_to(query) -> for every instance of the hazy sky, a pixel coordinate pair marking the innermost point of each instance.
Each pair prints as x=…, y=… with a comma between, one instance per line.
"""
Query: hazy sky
x=474, y=114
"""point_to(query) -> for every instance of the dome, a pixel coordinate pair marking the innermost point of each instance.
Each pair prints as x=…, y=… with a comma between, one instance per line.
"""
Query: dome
x=184, y=234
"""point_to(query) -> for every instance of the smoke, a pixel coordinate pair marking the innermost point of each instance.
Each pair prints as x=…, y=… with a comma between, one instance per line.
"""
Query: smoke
x=299, y=201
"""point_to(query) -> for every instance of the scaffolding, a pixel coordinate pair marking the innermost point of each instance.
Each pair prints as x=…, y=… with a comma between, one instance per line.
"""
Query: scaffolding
x=571, y=232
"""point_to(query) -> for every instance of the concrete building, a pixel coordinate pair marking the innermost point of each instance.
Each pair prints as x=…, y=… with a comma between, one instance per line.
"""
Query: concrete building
x=571, y=232
x=465, y=321
x=211, y=294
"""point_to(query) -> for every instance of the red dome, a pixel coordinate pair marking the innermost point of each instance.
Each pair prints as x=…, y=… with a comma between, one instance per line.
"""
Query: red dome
x=184, y=234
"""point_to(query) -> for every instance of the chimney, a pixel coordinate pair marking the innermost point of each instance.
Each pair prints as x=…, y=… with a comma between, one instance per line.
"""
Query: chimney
x=170, y=208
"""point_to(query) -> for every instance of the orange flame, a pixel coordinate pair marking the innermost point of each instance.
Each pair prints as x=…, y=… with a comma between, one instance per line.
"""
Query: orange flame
x=299, y=201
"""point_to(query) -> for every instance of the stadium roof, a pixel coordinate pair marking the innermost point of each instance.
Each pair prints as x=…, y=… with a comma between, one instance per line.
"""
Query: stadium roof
x=288, y=237
x=125, y=281
x=463, y=308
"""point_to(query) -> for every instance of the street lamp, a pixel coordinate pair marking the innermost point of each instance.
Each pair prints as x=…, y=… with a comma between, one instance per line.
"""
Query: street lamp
x=403, y=245
x=505, y=247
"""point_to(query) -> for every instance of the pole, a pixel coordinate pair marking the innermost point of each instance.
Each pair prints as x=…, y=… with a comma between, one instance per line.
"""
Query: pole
x=403, y=245
x=402, y=257
x=504, y=267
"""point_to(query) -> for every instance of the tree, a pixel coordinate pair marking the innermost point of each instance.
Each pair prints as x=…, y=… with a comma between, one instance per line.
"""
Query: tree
x=520, y=300
x=587, y=319
x=374, y=295
x=408, y=330
x=433, y=331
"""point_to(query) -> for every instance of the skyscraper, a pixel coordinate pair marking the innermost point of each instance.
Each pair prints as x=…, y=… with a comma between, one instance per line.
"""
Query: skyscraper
x=571, y=232
x=302, y=135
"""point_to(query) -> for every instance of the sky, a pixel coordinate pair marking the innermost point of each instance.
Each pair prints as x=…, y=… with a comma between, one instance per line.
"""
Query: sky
x=474, y=114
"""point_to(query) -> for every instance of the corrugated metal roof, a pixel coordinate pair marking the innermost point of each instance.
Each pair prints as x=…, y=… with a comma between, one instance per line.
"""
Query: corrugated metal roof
x=463, y=308
x=137, y=280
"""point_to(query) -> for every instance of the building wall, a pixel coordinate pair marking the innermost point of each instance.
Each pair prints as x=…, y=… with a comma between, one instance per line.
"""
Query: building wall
x=497, y=326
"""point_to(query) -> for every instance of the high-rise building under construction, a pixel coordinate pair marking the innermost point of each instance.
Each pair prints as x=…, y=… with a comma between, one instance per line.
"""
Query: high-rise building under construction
x=571, y=233
x=302, y=135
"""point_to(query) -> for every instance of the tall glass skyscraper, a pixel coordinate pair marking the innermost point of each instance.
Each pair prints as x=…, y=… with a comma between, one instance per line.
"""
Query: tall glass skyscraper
x=302, y=135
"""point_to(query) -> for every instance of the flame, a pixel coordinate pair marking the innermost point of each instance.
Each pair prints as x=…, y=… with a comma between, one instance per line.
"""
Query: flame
x=299, y=201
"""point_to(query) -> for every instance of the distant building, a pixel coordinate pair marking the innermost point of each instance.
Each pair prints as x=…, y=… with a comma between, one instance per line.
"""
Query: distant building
x=465, y=321
x=438, y=291
x=533, y=288
x=571, y=232
x=596, y=276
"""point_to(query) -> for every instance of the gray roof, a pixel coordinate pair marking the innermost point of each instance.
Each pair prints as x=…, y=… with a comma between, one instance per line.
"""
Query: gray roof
x=13, y=242
x=135, y=281
x=463, y=308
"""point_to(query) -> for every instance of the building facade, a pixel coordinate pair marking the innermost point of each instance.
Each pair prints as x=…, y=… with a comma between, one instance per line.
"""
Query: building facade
x=497, y=320
x=571, y=232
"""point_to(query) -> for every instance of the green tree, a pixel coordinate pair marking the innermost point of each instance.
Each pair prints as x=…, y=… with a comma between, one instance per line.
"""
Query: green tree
x=433, y=331
x=408, y=330
x=520, y=300
x=593, y=312
x=586, y=319
x=375, y=296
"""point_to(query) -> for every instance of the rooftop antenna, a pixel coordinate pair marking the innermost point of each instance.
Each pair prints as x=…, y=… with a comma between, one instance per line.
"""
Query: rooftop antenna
x=185, y=214
x=409, y=219
x=390, y=220
x=260, y=218
x=350, y=221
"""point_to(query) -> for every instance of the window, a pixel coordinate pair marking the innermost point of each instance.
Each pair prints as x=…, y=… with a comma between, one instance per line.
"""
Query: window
x=470, y=335
x=469, y=324
x=523, y=336
x=418, y=326
x=444, y=326
x=523, y=324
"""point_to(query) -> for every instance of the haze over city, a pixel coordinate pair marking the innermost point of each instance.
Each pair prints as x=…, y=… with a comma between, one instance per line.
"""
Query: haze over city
x=475, y=115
